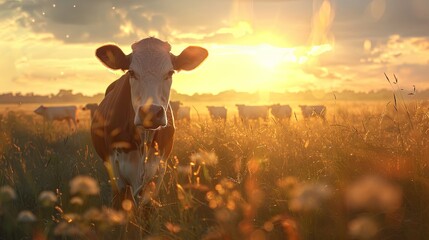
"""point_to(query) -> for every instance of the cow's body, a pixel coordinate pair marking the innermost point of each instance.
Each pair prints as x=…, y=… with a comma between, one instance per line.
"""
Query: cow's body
x=133, y=127
x=184, y=113
x=91, y=107
x=58, y=113
x=252, y=112
x=313, y=111
x=281, y=111
x=217, y=113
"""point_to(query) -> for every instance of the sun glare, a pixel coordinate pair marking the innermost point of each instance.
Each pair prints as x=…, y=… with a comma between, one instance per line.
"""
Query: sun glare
x=270, y=57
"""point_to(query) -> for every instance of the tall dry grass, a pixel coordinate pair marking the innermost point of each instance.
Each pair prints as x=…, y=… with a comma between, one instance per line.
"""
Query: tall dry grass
x=362, y=174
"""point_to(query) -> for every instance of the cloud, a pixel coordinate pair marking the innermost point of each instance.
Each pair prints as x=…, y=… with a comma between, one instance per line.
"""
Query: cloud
x=94, y=21
x=129, y=20
x=399, y=50
x=372, y=19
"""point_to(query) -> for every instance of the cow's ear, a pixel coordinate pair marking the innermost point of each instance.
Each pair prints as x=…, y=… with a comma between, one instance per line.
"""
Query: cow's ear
x=190, y=58
x=113, y=57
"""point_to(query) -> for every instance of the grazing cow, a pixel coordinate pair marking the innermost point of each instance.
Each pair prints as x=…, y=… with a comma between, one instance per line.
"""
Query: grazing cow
x=91, y=107
x=175, y=105
x=281, y=111
x=313, y=111
x=58, y=113
x=217, y=112
x=133, y=127
x=184, y=113
x=252, y=112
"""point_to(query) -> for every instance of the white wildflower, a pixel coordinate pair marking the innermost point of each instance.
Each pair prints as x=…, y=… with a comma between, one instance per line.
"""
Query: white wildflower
x=93, y=215
x=363, y=228
x=84, y=185
x=184, y=169
x=374, y=193
x=204, y=158
x=7, y=194
x=76, y=201
x=26, y=217
x=68, y=229
x=309, y=197
x=47, y=198
x=113, y=217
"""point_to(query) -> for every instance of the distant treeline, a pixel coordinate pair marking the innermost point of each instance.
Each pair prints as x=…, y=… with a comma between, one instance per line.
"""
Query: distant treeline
x=67, y=96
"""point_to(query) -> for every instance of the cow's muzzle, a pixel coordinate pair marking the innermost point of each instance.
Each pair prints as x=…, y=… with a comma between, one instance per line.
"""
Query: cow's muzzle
x=152, y=117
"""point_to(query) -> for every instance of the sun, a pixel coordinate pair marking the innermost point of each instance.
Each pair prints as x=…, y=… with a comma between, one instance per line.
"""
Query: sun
x=270, y=57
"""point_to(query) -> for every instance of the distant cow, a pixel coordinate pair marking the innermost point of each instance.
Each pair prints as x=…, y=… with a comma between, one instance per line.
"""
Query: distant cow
x=313, y=111
x=133, y=127
x=217, y=112
x=281, y=111
x=184, y=113
x=175, y=105
x=58, y=113
x=91, y=107
x=252, y=112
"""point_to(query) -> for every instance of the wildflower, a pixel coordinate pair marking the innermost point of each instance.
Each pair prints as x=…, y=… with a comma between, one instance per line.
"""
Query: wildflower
x=7, y=194
x=184, y=169
x=309, y=197
x=76, y=201
x=374, y=193
x=173, y=228
x=287, y=183
x=84, y=185
x=68, y=230
x=93, y=215
x=26, y=217
x=47, y=198
x=204, y=158
x=363, y=228
x=113, y=217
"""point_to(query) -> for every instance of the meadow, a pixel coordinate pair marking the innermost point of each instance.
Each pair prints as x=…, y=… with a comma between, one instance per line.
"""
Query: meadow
x=361, y=174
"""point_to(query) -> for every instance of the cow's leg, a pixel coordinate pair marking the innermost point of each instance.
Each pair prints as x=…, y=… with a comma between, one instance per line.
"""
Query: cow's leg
x=130, y=167
x=152, y=180
x=74, y=123
x=68, y=123
x=117, y=181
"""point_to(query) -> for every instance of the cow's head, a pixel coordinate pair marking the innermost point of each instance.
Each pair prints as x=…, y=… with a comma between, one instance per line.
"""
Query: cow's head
x=40, y=110
x=150, y=69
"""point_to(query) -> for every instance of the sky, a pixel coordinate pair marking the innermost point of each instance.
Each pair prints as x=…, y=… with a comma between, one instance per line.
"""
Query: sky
x=254, y=45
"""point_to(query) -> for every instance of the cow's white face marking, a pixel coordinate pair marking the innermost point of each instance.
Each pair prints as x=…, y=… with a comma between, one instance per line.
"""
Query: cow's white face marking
x=150, y=71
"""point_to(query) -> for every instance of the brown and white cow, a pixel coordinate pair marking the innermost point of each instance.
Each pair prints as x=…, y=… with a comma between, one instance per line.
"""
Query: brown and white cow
x=58, y=113
x=180, y=112
x=184, y=113
x=281, y=111
x=313, y=111
x=133, y=127
x=217, y=112
x=91, y=107
x=252, y=112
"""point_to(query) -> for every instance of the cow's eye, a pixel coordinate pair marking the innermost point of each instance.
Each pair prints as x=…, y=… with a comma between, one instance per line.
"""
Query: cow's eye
x=132, y=74
x=169, y=74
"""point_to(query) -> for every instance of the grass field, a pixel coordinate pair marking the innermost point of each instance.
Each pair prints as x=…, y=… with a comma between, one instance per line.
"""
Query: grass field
x=362, y=174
